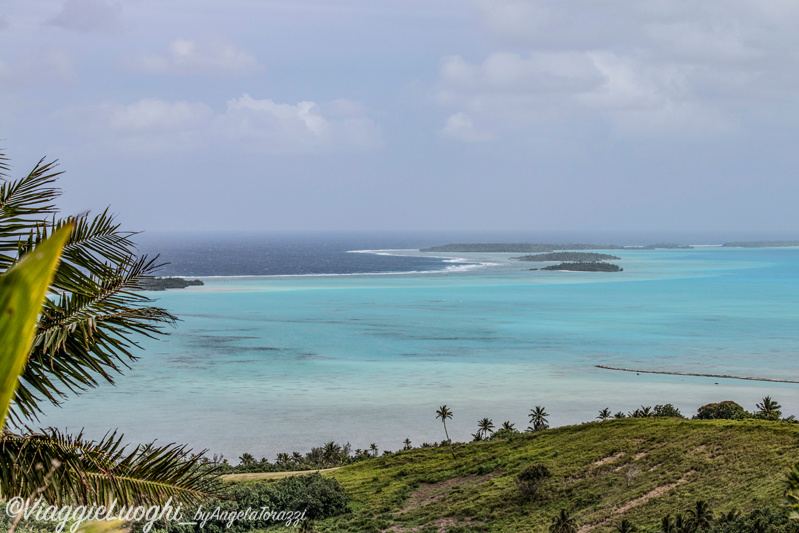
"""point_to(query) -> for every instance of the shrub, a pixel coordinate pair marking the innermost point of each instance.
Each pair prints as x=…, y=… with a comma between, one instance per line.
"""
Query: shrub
x=727, y=410
x=318, y=496
x=530, y=480
x=668, y=410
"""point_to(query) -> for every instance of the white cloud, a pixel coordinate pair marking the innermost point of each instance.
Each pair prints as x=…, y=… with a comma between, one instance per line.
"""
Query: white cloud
x=305, y=127
x=88, y=16
x=148, y=126
x=215, y=57
x=640, y=67
x=154, y=125
x=461, y=127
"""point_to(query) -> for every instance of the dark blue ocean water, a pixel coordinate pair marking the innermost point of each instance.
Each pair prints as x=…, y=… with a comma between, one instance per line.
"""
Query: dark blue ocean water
x=328, y=253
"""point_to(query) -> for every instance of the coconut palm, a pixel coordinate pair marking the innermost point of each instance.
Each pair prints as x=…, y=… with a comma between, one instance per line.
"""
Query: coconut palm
x=486, y=427
x=331, y=453
x=538, y=418
x=246, y=459
x=667, y=525
x=444, y=413
x=407, y=444
x=85, y=335
x=619, y=414
x=563, y=523
x=604, y=414
x=769, y=408
x=373, y=448
x=508, y=426
x=625, y=526
x=701, y=515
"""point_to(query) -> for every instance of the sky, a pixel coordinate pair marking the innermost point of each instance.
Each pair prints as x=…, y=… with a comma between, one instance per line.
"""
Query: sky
x=258, y=115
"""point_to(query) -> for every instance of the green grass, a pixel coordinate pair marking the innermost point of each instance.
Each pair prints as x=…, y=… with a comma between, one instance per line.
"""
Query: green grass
x=730, y=464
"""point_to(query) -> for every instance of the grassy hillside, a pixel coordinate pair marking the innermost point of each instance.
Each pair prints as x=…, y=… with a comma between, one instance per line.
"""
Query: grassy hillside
x=731, y=464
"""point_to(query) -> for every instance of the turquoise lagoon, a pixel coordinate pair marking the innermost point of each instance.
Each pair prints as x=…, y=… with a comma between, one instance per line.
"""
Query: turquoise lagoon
x=272, y=364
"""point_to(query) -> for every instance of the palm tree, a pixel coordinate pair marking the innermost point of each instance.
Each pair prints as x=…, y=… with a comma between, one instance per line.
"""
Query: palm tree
x=701, y=515
x=604, y=414
x=331, y=453
x=563, y=523
x=683, y=525
x=373, y=447
x=444, y=413
x=667, y=525
x=619, y=414
x=507, y=426
x=246, y=459
x=486, y=427
x=85, y=335
x=769, y=408
x=538, y=418
x=625, y=526
x=407, y=444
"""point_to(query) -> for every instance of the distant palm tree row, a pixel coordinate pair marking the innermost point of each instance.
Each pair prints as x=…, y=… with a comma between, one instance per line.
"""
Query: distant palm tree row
x=332, y=454
x=700, y=517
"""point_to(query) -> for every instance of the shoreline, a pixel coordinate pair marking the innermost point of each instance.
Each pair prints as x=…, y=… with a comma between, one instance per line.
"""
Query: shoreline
x=722, y=376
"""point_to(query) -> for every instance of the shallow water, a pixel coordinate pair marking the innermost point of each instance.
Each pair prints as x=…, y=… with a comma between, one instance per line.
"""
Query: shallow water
x=271, y=364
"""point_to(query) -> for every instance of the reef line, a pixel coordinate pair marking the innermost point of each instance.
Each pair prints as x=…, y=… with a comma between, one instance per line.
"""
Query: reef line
x=695, y=375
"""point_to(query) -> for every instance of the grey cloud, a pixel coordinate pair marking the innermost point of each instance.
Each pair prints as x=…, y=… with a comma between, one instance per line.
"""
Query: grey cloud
x=643, y=67
x=153, y=125
x=88, y=16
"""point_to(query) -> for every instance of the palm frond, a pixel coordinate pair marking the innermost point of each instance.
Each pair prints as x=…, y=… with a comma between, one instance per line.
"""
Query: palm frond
x=82, y=471
x=84, y=338
x=23, y=204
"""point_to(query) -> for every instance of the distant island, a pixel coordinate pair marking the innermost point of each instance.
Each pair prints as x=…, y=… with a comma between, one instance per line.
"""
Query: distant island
x=568, y=256
x=585, y=266
x=760, y=244
x=162, y=284
x=542, y=248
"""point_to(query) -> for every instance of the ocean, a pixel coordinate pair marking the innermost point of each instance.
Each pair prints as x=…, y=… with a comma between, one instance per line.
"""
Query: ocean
x=300, y=339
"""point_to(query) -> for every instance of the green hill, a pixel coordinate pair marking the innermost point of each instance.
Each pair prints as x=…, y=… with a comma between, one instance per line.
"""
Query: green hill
x=670, y=463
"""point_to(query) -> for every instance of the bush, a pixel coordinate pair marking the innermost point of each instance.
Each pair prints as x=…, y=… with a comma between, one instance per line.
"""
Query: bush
x=318, y=496
x=759, y=521
x=530, y=480
x=668, y=410
x=727, y=410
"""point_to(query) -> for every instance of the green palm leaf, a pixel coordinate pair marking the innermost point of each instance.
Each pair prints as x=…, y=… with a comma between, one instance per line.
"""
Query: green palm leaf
x=89, y=472
x=22, y=290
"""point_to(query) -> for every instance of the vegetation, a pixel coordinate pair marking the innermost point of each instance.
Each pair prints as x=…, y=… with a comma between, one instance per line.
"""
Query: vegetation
x=444, y=413
x=568, y=256
x=311, y=496
x=761, y=244
x=162, y=284
x=590, y=266
x=84, y=335
x=729, y=465
x=494, y=247
x=530, y=480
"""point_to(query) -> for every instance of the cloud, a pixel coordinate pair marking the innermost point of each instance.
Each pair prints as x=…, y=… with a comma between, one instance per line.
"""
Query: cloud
x=150, y=125
x=460, y=126
x=305, y=127
x=153, y=125
x=87, y=16
x=639, y=68
x=215, y=57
